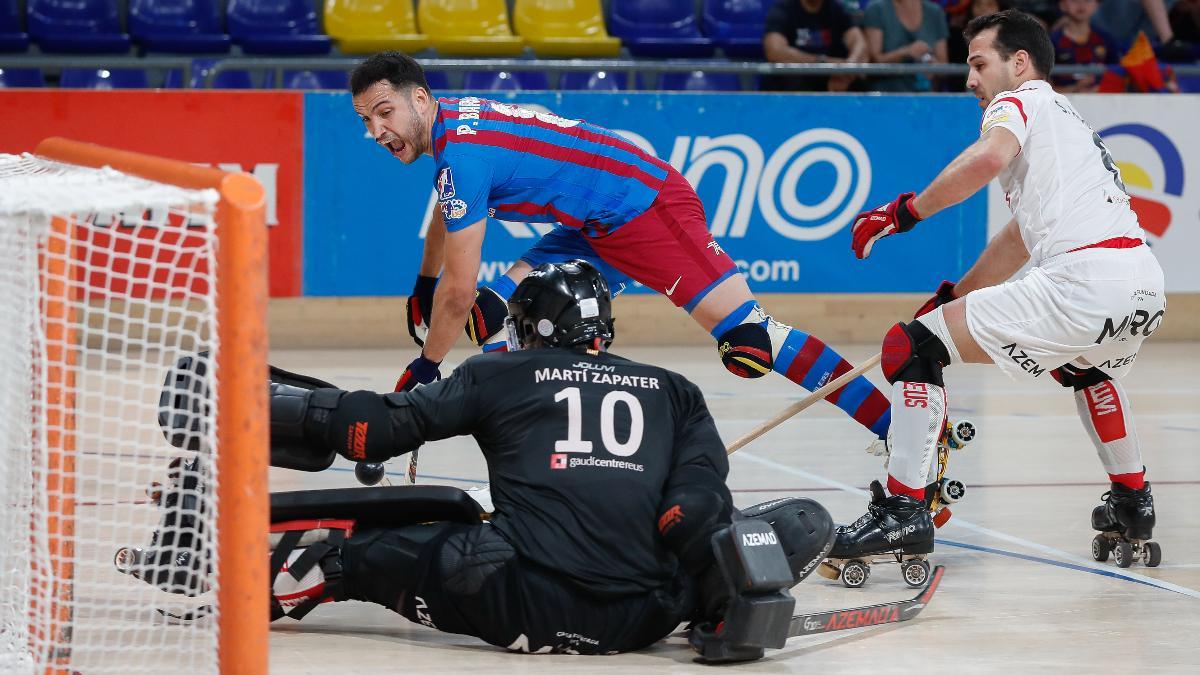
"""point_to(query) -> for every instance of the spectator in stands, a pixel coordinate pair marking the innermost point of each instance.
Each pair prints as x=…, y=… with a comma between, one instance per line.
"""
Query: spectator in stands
x=905, y=31
x=1123, y=19
x=811, y=31
x=1046, y=11
x=956, y=46
x=1078, y=42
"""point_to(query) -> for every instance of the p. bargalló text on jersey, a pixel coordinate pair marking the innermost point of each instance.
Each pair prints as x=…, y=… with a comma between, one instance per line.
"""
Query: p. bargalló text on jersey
x=568, y=375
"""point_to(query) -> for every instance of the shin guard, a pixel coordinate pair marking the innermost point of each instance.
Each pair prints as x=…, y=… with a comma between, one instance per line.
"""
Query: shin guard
x=912, y=361
x=1105, y=413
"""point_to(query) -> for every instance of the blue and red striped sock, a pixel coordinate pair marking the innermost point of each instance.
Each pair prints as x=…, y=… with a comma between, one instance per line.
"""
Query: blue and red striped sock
x=810, y=363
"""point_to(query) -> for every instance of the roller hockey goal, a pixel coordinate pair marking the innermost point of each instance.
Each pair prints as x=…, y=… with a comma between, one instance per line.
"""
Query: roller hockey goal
x=113, y=265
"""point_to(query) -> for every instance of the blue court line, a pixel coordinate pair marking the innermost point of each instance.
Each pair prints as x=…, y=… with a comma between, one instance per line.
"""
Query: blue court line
x=426, y=476
x=1048, y=561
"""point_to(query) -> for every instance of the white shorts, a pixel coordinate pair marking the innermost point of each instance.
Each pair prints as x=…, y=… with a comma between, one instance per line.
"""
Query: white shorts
x=1092, y=307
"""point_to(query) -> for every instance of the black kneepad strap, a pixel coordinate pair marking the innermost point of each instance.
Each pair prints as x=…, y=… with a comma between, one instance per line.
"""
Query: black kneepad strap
x=487, y=315
x=805, y=529
x=759, y=611
x=321, y=542
x=912, y=353
x=1076, y=378
x=746, y=350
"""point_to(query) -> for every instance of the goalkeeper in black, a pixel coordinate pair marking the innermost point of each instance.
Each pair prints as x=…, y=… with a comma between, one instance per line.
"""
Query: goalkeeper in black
x=608, y=480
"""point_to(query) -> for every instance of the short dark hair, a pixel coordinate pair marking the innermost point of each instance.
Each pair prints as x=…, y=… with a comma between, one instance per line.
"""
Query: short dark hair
x=1016, y=30
x=399, y=68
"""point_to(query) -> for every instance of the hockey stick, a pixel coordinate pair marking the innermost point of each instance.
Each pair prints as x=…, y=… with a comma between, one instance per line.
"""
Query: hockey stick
x=871, y=615
x=785, y=414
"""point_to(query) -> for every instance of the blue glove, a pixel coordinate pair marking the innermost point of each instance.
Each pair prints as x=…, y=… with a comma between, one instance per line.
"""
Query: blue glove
x=420, y=371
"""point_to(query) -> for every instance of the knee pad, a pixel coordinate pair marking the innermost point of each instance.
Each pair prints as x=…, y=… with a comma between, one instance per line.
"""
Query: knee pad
x=746, y=350
x=486, y=319
x=805, y=530
x=912, y=353
x=299, y=420
x=471, y=556
x=383, y=564
x=687, y=520
x=1074, y=377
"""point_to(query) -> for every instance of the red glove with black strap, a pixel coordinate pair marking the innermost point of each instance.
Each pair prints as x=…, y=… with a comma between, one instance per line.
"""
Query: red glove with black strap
x=871, y=226
x=420, y=308
x=944, y=294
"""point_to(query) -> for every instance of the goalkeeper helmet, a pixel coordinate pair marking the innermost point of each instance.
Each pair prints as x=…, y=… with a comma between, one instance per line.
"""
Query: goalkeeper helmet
x=561, y=305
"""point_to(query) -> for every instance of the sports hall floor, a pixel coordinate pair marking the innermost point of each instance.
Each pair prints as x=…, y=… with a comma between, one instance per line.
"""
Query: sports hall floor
x=1021, y=592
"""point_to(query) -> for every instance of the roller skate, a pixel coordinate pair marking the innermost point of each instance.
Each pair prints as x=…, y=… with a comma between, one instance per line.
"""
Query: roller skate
x=178, y=557
x=944, y=490
x=1126, y=523
x=895, y=529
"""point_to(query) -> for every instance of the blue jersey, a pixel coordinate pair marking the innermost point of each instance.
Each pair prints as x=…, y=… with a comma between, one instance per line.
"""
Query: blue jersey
x=504, y=161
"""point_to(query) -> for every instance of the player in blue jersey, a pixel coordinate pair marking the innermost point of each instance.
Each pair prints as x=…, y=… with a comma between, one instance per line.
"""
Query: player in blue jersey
x=618, y=207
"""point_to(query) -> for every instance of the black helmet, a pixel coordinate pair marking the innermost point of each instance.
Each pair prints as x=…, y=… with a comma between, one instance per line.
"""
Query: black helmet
x=562, y=305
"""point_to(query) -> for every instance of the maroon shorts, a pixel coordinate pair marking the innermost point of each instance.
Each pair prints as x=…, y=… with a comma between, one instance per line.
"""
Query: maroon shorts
x=668, y=248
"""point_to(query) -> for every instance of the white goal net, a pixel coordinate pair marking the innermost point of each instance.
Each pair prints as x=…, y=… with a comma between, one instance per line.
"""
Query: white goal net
x=106, y=280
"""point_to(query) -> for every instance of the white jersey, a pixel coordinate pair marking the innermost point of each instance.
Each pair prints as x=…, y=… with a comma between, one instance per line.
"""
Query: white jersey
x=1063, y=188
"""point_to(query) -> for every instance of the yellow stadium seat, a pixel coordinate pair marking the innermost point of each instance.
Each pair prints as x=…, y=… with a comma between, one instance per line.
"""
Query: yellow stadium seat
x=469, y=27
x=564, y=28
x=369, y=26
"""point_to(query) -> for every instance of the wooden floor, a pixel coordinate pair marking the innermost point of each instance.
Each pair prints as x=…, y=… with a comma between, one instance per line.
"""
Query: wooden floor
x=1021, y=591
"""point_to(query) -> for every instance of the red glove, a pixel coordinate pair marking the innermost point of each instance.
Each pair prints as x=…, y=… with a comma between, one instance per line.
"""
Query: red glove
x=420, y=371
x=871, y=226
x=945, y=293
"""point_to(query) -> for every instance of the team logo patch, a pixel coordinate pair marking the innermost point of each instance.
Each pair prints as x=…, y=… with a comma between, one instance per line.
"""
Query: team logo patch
x=445, y=184
x=454, y=209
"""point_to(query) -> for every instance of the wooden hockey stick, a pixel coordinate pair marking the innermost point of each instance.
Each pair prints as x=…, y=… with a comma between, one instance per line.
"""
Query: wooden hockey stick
x=785, y=414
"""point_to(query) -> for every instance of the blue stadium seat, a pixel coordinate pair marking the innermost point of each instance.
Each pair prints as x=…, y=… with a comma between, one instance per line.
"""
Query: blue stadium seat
x=596, y=81
x=698, y=80
x=478, y=80
x=76, y=26
x=13, y=37
x=21, y=77
x=736, y=25
x=310, y=79
x=225, y=79
x=276, y=27
x=437, y=81
x=92, y=78
x=1189, y=84
x=178, y=26
x=659, y=28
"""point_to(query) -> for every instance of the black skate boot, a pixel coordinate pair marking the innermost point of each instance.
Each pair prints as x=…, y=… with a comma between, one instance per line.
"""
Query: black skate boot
x=894, y=529
x=1126, y=524
x=178, y=558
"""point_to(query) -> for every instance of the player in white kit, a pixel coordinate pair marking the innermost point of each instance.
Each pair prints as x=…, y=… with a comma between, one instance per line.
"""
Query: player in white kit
x=1093, y=293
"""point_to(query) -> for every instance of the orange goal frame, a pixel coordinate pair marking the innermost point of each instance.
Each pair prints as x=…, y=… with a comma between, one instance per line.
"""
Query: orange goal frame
x=242, y=436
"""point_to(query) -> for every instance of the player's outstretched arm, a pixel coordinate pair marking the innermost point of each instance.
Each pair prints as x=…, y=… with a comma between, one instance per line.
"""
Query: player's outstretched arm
x=977, y=166
x=456, y=291
x=433, y=255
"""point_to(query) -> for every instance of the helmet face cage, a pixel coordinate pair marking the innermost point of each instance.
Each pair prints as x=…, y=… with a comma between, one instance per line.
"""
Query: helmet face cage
x=561, y=305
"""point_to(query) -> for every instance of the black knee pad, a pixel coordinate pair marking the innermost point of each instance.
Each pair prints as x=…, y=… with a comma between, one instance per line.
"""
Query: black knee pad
x=746, y=350
x=471, y=556
x=382, y=565
x=805, y=530
x=911, y=353
x=299, y=422
x=1073, y=377
x=687, y=520
x=360, y=427
x=487, y=315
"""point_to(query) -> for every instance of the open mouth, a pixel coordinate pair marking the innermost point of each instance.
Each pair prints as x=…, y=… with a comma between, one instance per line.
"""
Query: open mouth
x=394, y=146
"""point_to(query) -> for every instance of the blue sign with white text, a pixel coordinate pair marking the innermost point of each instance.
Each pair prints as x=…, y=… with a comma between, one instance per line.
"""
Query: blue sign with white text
x=781, y=177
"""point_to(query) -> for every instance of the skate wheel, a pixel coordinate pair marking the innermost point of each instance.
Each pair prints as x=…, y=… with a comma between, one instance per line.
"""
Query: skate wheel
x=1100, y=548
x=915, y=572
x=1123, y=553
x=952, y=490
x=855, y=574
x=126, y=559
x=1151, y=554
x=963, y=432
x=941, y=516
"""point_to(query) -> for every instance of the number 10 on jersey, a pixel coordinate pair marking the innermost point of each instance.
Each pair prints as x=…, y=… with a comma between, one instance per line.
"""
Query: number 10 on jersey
x=608, y=434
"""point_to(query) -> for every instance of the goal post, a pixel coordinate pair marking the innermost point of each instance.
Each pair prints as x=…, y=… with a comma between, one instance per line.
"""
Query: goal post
x=119, y=264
